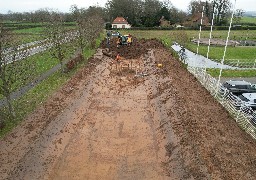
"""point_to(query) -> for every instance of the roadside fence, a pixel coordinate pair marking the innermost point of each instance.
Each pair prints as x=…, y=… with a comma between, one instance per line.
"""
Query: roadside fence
x=243, y=115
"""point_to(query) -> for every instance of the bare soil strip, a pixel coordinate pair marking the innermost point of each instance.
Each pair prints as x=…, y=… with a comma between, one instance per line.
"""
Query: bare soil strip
x=105, y=123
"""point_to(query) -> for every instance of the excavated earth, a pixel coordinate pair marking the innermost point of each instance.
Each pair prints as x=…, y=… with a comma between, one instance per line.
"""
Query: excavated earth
x=108, y=122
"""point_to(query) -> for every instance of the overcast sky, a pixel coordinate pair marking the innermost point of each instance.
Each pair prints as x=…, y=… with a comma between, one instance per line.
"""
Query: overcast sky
x=64, y=5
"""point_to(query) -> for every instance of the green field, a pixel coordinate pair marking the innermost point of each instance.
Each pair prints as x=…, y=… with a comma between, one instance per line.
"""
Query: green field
x=36, y=65
x=234, y=35
x=243, y=54
x=240, y=52
x=248, y=20
x=232, y=73
x=29, y=34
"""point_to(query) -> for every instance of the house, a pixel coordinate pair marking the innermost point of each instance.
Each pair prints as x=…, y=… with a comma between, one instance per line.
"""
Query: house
x=120, y=22
x=195, y=21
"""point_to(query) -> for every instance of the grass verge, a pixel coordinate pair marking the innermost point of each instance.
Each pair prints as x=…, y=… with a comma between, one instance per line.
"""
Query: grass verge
x=232, y=73
x=36, y=96
x=244, y=54
x=27, y=103
x=34, y=66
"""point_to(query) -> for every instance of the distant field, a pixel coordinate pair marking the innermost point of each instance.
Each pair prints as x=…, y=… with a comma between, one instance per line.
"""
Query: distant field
x=28, y=32
x=234, y=35
x=243, y=53
x=232, y=73
x=248, y=20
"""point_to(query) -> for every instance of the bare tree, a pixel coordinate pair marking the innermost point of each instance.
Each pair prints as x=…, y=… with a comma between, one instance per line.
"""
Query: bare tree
x=222, y=9
x=12, y=67
x=238, y=15
x=195, y=7
x=79, y=15
x=89, y=25
x=94, y=25
x=177, y=16
x=56, y=35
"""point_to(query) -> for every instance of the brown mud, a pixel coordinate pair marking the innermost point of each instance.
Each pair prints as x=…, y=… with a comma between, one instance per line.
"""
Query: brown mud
x=111, y=123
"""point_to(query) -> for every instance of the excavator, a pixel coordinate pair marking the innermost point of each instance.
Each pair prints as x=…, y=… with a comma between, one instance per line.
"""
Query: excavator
x=124, y=40
x=121, y=39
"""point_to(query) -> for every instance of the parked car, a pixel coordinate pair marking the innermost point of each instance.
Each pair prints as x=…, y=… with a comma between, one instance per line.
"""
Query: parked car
x=249, y=99
x=239, y=87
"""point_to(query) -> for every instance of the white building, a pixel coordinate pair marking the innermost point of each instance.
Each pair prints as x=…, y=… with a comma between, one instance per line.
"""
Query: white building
x=120, y=22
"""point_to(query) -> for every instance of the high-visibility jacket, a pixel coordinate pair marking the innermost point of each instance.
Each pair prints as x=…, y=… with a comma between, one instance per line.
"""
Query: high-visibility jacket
x=129, y=40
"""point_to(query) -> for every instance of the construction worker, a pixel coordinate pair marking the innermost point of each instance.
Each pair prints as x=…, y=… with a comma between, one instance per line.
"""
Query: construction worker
x=108, y=34
x=118, y=58
x=119, y=41
x=129, y=40
x=108, y=41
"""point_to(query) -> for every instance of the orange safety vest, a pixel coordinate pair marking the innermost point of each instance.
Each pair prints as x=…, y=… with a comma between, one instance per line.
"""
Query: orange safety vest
x=118, y=57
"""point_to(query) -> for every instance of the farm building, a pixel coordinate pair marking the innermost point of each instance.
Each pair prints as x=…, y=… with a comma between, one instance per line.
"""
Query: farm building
x=195, y=21
x=120, y=22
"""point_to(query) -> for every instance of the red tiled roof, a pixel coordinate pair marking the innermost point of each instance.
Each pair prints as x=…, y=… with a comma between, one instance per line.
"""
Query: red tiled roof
x=120, y=20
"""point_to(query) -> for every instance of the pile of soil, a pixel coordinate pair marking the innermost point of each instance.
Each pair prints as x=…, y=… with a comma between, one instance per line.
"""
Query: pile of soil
x=138, y=47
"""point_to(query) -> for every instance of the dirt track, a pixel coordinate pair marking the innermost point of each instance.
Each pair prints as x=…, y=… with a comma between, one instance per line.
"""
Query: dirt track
x=105, y=124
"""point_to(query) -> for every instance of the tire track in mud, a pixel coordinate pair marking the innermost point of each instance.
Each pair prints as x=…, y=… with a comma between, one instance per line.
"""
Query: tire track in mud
x=22, y=143
x=37, y=162
x=170, y=113
x=117, y=136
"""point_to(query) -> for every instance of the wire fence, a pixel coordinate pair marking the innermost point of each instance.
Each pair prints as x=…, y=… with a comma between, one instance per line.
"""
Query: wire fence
x=243, y=115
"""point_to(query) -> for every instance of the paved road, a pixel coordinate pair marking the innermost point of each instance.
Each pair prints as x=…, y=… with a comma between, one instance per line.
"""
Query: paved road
x=197, y=60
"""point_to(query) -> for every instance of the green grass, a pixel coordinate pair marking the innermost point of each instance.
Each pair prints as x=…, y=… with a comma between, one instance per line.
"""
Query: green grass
x=36, y=33
x=36, y=96
x=232, y=73
x=241, y=53
x=36, y=65
x=27, y=103
x=35, y=30
x=244, y=54
x=248, y=20
x=234, y=35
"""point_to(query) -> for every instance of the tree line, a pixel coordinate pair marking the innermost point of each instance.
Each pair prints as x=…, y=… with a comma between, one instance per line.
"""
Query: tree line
x=88, y=26
x=143, y=13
